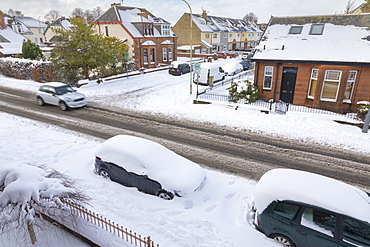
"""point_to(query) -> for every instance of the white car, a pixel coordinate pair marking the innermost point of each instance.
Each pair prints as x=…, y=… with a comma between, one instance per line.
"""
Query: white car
x=148, y=166
x=232, y=68
x=60, y=94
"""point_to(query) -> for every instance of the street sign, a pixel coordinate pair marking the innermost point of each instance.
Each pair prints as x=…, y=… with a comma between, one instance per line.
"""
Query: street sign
x=197, y=67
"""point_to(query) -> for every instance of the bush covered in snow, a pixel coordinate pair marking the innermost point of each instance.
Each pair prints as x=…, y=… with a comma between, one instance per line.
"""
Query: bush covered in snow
x=243, y=90
x=26, y=69
x=362, y=109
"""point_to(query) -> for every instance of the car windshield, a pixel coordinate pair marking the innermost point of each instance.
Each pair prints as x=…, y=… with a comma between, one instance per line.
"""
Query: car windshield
x=63, y=90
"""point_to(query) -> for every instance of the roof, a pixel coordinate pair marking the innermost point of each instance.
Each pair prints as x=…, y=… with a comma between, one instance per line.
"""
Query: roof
x=10, y=42
x=223, y=24
x=312, y=189
x=344, y=39
x=30, y=22
x=131, y=18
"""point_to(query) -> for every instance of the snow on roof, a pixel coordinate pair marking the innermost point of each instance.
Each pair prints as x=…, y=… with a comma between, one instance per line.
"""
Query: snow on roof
x=148, y=42
x=167, y=42
x=338, y=43
x=145, y=157
x=206, y=44
x=313, y=189
x=14, y=46
x=31, y=22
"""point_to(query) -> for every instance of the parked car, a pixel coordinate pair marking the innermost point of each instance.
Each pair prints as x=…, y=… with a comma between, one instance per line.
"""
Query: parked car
x=179, y=68
x=232, y=68
x=303, y=209
x=246, y=55
x=148, y=166
x=208, y=74
x=246, y=64
x=221, y=55
x=60, y=94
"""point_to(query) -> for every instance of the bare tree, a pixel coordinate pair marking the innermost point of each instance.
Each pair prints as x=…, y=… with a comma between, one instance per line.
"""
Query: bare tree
x=97, y=11
x=77, y=12
x=12, y=12
x=250, y=17
x=52, y=15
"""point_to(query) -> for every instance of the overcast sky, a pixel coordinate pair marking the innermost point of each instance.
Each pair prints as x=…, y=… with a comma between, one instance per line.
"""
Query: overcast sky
x=171, y=10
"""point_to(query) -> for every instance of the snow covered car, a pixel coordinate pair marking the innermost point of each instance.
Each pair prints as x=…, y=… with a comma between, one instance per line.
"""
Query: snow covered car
x=232, y=68
x=148, y=166
x=246, y=64
x=298, y=208
x=60, y=94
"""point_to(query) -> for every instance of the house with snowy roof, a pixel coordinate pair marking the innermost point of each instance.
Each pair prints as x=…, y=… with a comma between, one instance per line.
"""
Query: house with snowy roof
x=10, y=41
x=316, y=61
x=216, y=34
x=60, y=23
x=150, y=39
x=28, y=27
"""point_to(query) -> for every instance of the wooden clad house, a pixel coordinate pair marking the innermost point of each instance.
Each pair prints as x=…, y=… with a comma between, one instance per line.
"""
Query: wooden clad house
x=150, y=39
x=317, y=61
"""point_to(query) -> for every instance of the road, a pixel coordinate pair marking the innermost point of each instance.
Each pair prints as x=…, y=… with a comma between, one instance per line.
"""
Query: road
x=220, y=148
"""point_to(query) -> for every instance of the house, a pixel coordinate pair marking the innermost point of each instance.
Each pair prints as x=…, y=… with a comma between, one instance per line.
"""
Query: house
x=150, y=39
x=316, y=61
x=61, y=23
x=10, y=42
x=212, y=34
x=29, y=28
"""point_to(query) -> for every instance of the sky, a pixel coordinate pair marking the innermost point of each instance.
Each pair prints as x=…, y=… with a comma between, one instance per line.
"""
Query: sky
x=171, y=10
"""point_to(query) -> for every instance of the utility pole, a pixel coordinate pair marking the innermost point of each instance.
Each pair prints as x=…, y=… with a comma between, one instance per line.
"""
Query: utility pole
x=367, y=122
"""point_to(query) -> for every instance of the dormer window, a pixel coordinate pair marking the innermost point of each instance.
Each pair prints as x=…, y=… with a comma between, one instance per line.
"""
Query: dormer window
x=295, y=30
x=148, y=29
x=166, y=30
x=317, y=29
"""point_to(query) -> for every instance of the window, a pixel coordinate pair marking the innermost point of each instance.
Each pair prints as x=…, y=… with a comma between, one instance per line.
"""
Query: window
x=313, y=83
x=225, y=35
x=318, y=220
x=145, y=55
x=295, y=29
x=267, y=79
x=215, y=35
x=170, y=53
x=40, y=30
x=331, y=85
x=164, y=52
x=317, y=29
x=148, y=29
x=106, y=31
x=286, y=210
x=152, y=55
x=349, y=87
x=207, y=35
x=230, y=35
x=166, y=30
x=356, y=232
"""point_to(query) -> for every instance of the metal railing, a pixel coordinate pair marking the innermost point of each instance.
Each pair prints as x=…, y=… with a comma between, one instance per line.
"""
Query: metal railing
x=110, y=226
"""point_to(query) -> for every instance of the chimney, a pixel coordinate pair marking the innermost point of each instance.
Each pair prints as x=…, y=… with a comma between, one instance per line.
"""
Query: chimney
x=2, y=21
x=204, y=15
x=115, y=4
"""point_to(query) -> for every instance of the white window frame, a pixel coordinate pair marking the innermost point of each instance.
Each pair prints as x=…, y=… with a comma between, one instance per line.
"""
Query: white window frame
x=351, y=81
x=215, y=35
x=164, y=52
x=331, y=80
x=170, y=57
x=268, y=74
x=145, y=56
x=311, y=79
x=207, y=36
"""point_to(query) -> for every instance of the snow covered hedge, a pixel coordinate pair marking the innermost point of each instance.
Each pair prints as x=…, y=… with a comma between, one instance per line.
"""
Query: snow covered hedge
x=362, y=109
x=26, y=69
x=24, y=187
x=243, y=90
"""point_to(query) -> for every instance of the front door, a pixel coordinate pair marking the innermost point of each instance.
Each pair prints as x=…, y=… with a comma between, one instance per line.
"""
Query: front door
x=288, y=84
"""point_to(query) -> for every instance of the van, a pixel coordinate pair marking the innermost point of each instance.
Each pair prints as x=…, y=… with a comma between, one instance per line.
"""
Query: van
x=302, y=209
x=208, y=74
x=179, y=68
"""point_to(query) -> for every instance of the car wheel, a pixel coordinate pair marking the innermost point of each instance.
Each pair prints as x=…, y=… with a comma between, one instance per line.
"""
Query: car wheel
x=283, y=240
x=105, y=174
x=165, y=195
x=63, y=106
x=40, y=101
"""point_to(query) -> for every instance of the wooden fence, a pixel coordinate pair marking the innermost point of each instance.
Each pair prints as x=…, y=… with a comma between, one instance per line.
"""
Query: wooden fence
x=100, y=221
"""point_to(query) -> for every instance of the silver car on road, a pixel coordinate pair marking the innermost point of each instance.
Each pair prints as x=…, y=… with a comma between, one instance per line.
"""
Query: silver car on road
x=60, y=94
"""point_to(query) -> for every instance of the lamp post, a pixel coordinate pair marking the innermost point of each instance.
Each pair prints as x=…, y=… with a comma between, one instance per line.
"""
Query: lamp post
x=191, y=46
